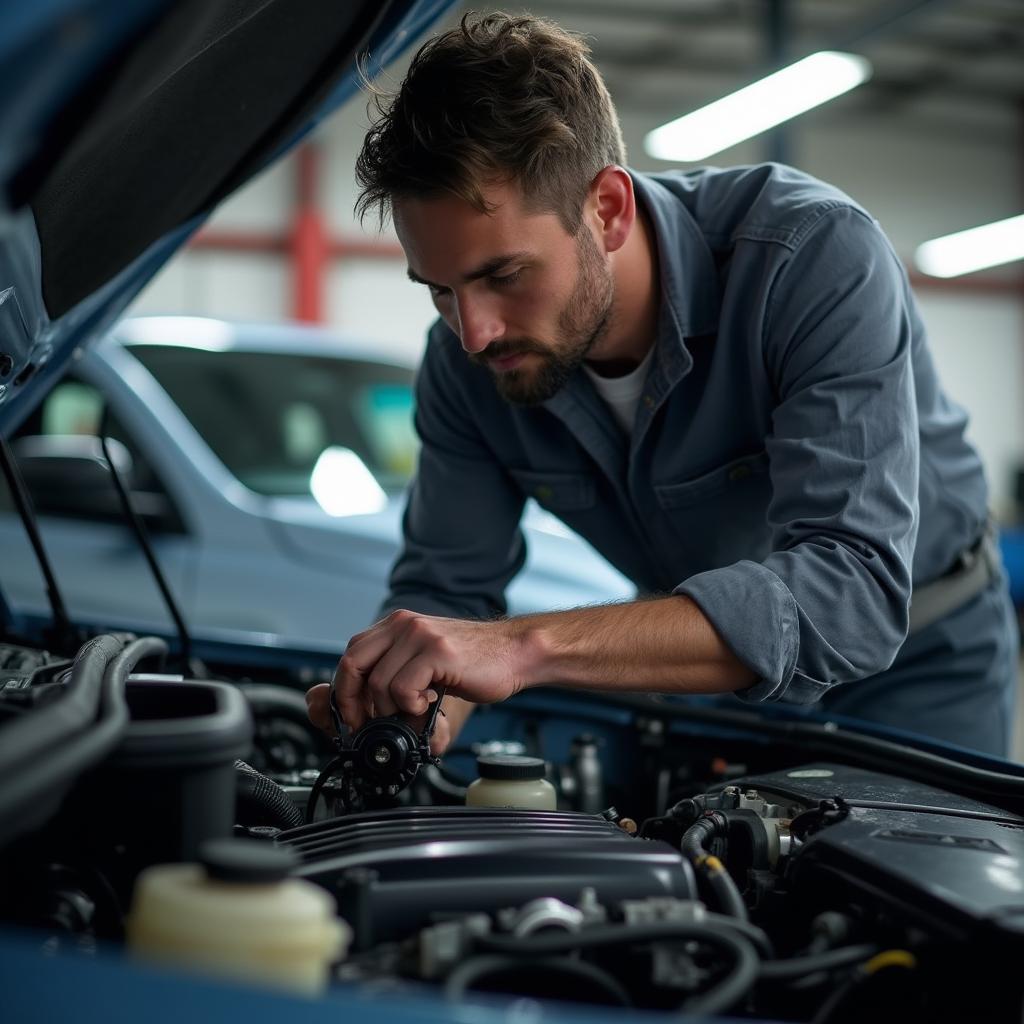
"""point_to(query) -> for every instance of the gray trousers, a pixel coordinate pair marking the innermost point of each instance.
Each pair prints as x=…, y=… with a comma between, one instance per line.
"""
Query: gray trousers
x=955, y=680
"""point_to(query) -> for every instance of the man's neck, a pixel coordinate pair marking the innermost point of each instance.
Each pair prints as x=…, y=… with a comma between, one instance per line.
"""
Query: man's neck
x=634, y=319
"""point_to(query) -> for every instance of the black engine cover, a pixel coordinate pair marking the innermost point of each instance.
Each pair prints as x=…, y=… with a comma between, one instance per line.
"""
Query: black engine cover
x=396, y=871
x=947, y=863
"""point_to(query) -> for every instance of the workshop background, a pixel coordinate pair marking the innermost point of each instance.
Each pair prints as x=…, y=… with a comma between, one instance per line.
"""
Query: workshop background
x=932, y=143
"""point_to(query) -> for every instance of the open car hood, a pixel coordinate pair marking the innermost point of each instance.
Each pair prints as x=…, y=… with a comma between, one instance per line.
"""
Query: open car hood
x=126, y=124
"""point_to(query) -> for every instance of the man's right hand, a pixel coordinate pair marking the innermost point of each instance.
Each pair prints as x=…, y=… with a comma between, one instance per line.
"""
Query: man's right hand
x=445, y=730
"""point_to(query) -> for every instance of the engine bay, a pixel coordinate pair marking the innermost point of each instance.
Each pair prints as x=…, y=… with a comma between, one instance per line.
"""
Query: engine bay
x=700, y=859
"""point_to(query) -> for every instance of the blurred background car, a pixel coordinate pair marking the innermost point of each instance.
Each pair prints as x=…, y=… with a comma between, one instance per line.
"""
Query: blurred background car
x=268, y=464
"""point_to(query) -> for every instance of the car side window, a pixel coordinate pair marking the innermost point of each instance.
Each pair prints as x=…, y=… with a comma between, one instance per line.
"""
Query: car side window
x=74, y=409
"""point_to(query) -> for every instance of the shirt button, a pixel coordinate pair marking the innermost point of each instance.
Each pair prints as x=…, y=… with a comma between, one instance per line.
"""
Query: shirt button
x=648, y=401
x=542, y=493
x=739, y=473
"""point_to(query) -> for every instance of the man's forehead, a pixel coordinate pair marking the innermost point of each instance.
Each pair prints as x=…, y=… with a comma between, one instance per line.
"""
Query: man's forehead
x=413, y=215
x=495, y=194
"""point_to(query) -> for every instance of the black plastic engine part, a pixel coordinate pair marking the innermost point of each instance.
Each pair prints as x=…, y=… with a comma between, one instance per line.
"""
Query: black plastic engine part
x=167, y=785
x=378, y=761
x=177, y=759
x=944, y=862
x=174, y=776
x=394, y=871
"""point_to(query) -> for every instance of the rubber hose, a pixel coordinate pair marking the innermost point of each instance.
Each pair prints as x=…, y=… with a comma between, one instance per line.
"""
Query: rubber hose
x=261, y=801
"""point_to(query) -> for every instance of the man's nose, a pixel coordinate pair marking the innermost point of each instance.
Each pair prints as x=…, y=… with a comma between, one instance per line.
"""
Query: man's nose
x=479, y=325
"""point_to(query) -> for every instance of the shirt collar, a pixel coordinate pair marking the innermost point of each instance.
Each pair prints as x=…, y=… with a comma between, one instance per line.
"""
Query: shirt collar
x=689, y=279
x=689, y=308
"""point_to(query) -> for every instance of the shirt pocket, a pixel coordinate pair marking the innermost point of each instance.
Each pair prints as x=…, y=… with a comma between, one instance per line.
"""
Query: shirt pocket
x=557, y=492
x=723, y=480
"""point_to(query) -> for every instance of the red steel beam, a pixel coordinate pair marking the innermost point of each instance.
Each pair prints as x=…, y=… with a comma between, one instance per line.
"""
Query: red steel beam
x=310, y=248
x=216, y=240
x=308, y=241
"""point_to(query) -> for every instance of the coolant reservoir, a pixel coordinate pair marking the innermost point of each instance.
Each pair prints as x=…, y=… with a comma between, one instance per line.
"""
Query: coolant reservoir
x=238, y=915
x=508, y=780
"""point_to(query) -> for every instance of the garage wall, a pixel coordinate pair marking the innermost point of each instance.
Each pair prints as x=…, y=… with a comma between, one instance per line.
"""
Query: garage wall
x=915, y=179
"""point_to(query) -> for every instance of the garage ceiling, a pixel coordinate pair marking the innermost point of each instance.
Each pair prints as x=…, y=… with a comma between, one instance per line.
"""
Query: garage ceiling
x=939, y=64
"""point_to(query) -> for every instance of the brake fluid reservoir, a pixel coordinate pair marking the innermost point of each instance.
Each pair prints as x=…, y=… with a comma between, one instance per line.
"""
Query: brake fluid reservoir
x=507, y=780
x=238, y=915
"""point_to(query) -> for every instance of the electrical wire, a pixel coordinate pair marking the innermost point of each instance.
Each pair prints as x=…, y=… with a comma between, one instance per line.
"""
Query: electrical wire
x=726, y=892
x=795, y=967
x=890, y=958
x=724, y=994
x=694, y=845
x=747, y=929
x=441, y=782
x=828, y=812
x=314, y=794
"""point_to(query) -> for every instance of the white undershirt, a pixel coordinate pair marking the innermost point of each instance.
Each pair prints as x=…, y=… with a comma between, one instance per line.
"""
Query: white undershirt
x=622, y=394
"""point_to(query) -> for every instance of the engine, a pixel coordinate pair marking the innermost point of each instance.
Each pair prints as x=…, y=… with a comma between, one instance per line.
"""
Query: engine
x=795, y=887
x=700, y=859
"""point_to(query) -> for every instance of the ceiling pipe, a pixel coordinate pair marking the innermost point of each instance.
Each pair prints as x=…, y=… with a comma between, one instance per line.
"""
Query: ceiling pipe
x=778, y=142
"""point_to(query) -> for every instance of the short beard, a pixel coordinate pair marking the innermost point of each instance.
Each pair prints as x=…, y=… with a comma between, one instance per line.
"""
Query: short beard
x=582, y=323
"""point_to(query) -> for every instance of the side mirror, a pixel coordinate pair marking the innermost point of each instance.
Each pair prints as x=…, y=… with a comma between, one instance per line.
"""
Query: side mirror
x=68, y=476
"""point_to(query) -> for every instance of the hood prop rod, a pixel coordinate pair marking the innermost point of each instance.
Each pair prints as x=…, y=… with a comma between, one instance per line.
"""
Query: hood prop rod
x=139, y=529
x=63, y=634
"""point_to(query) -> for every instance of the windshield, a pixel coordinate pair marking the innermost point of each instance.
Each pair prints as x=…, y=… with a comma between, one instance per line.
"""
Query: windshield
x=269, y=416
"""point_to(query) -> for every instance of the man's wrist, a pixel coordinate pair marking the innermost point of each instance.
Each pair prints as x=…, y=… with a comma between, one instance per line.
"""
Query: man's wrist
x=532, y=640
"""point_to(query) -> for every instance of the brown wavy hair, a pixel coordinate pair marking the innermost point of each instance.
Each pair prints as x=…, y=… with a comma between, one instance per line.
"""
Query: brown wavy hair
x=500, y=98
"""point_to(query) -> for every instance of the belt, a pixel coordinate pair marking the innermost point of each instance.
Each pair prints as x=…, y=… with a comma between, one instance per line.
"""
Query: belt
x=974, y=569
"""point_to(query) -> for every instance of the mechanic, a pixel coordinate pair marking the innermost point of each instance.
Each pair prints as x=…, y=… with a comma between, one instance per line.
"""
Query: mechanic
x=718, y=377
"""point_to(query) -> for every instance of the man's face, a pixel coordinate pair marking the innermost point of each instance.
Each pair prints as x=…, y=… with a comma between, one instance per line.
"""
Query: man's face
x=527, y=300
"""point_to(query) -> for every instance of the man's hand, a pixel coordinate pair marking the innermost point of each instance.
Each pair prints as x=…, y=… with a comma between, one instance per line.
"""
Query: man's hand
x=391, y=667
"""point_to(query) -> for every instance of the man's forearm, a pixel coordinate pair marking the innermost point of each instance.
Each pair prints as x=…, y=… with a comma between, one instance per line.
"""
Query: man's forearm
x=664, y=645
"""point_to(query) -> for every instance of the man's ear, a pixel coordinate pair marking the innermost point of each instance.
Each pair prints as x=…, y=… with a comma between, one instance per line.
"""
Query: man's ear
x=611, y=206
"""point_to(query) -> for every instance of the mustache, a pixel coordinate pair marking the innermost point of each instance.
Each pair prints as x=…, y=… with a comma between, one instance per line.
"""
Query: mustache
x=505, y=348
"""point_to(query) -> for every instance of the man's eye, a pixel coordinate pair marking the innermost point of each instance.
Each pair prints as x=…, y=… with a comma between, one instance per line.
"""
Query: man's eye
x=436, y=290
x=506, y=280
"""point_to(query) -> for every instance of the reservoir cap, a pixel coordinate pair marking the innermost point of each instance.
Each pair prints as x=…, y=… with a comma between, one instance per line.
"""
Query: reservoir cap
x=510, y=767
x=246, y=861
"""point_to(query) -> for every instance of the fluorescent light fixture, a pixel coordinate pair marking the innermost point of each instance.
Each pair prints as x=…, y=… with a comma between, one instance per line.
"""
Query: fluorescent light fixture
x=973, y=249
x=343, y=486
x=758, y=107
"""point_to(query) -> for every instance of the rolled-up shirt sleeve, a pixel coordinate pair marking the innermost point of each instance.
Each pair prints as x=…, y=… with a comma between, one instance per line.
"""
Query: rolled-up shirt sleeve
x=463, y=543
x=829, y=604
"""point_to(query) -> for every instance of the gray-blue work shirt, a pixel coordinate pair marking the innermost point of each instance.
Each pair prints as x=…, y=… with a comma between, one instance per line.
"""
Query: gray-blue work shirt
x=794, y=466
